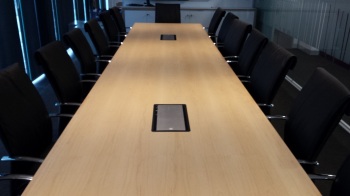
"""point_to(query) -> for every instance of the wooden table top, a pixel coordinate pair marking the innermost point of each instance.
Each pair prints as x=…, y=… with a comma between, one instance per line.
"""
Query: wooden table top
x=108, y=148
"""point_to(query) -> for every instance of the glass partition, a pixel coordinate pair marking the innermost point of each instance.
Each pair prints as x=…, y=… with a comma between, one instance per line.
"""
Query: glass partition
x=320, y=25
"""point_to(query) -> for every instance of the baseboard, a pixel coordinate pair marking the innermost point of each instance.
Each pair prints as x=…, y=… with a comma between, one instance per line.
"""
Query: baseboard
x=310, y=50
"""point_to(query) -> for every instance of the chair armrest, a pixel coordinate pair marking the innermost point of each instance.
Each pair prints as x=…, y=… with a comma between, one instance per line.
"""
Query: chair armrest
x=277, y=117
x=115, y=43
x=103, y=60
x=68, y=104
x=211, y=35
x=219, y=45
x=265, y=105
x=305, y=162
x=88, y=81
x=20, y=158
x=61, y=115
x=125, y=34
x=213, y=38
x=231, y=57
x=16, y=177
x=91, y=74
x=322, y=176
x=242, y=77
x=105, y=56
x=245, y=81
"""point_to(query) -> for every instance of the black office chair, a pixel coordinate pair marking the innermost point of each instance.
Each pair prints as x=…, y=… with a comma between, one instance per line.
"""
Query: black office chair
x=103, y=47
x=268, y=74
x=119, y=20
x=110, y=27
x=89, y=63
x=225, y=27
x=25, y=125
x=235, y=38
x=63, y=77
x=243, y=64
x=341, y=181
x=215, y=21
x=167, y=13
x=314, y=114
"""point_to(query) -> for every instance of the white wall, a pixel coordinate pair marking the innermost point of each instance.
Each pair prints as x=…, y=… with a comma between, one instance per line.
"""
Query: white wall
x=114, y=2
x=197, y=3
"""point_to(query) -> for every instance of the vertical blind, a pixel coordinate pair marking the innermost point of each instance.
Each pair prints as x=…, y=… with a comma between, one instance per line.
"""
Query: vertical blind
x=323, y=24
x=10, y=47
x=27, y=25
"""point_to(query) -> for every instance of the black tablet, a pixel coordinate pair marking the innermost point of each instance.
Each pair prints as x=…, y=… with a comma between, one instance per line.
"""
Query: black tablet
x=170, y=118
x=167, y=37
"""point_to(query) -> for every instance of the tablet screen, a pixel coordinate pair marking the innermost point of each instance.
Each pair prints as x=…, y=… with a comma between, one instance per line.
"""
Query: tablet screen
x=170, y=117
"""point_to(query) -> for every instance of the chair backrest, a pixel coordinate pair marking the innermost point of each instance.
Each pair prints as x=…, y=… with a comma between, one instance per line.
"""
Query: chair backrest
x=167, y=13
x=25, y=126
x=60, y=71
x=341, y=183
x=215, y=21
x=250, y=52
x=97, y=37
x=225, y=26
x=110, y=26
x=314, y=114
x=235, y=38
x=76, y=40
x=269, y=72
x=118, y=18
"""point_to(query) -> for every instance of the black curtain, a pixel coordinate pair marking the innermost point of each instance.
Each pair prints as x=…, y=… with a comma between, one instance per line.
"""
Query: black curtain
x=38, y=27
x=65, y=15
x=46, y=25
x=10, y=47
x=79, y=9
x=45, y=30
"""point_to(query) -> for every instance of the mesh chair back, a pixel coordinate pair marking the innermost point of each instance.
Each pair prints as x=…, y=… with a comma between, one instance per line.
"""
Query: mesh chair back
x=225, y=26
x=98, y=37
x=250, y=52
x=25, y=126
x=81, y=48
x=118, y=18
x=110, y=26
x=167, y=13
x=314, y=114
x=60, y=71
x=269, y=72
x=215, y=21
x=341, y=183
x=235, y=38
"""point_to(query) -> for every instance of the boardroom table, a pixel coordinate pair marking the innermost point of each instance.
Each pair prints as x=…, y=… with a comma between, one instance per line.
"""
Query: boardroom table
x=109, y=148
